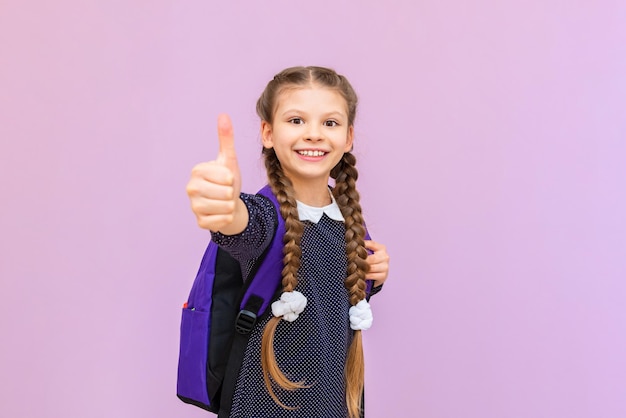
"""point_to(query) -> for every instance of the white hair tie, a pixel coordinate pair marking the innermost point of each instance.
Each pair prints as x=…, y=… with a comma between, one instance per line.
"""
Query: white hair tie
x=289, y=306
x=361, y=316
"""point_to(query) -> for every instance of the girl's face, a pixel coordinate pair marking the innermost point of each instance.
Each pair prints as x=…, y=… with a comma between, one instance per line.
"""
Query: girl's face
x=309, y=133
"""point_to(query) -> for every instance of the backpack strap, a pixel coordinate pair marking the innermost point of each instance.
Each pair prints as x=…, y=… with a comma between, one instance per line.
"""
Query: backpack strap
x=368, y=283
x=259, y=291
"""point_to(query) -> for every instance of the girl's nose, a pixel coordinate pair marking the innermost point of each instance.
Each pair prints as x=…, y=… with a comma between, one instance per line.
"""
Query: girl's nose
x=314, y=133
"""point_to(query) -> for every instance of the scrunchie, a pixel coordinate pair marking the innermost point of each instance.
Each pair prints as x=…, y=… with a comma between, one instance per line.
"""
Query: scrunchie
x=289, y=306
x=361, y=316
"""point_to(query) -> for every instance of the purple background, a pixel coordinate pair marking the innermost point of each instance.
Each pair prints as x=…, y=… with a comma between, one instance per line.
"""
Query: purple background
x=491, y=144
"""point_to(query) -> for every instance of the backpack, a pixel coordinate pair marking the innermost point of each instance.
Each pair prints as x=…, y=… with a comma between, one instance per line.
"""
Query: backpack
x=218, y=316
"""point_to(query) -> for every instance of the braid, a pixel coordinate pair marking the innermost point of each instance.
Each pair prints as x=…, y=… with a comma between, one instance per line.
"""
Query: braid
x=283, y=189
x=347, y=197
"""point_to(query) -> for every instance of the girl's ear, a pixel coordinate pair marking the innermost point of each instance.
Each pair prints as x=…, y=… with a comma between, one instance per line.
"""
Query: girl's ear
x=349, y=139
x=266, y=134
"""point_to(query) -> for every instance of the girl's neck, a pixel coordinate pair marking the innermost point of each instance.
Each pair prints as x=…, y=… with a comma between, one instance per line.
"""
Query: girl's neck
x=316, y=195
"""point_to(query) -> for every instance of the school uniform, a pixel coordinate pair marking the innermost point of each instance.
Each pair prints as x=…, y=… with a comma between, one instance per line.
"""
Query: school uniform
x=314, y=347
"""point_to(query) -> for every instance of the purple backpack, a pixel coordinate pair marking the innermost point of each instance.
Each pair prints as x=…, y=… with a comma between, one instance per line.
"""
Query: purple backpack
x=219, y=314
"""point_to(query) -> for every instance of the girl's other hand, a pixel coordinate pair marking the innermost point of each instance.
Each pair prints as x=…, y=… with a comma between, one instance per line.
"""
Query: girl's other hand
x=378, y=262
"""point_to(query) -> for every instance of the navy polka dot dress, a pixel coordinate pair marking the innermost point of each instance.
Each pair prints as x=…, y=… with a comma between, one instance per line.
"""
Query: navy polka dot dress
x=314, y=347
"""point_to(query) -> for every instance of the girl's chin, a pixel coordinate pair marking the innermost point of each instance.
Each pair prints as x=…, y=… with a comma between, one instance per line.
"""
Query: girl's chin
x=308, y=175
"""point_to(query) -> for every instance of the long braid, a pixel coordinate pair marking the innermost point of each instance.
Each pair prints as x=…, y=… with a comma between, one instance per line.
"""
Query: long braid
x=283, y=189
x=347, y=197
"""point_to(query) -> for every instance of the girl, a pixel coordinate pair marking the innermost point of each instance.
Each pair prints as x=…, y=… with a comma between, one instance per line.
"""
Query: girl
x=311, y=363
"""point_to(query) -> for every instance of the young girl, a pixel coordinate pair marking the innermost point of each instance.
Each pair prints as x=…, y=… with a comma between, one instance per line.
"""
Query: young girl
x=310, y=363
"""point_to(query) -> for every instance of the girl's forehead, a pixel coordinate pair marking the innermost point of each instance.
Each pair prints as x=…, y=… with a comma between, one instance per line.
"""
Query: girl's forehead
x=311, y=96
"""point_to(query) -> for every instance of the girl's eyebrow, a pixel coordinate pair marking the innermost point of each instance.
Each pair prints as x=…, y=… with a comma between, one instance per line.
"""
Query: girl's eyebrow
x=337, y=113
x=293, y=110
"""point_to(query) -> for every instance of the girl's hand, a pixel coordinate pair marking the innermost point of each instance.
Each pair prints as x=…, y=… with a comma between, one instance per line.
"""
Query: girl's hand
x=378, y=261
x=214, y=187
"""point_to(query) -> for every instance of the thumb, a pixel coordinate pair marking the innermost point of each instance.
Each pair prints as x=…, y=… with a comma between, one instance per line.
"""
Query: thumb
x=227, y=155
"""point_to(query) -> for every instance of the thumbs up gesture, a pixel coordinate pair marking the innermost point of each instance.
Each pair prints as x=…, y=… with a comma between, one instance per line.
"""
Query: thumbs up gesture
x=214, y=187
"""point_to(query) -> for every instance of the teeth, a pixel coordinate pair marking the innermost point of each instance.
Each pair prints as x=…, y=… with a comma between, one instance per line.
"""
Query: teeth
x=312, y=153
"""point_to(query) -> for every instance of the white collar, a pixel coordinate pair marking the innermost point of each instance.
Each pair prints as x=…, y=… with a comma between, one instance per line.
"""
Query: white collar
x=314, y=214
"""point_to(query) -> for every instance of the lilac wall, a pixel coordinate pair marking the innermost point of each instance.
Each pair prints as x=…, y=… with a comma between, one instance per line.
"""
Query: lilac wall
x=491, y=144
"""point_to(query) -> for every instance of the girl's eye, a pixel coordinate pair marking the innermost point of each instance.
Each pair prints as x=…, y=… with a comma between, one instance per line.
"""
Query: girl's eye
x=331, y=123
x=296, y=121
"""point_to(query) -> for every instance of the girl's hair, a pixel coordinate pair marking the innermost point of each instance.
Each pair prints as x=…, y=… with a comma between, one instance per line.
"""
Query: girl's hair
x=347, y=197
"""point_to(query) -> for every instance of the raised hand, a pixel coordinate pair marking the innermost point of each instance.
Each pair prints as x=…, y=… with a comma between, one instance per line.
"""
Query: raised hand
x=215, y=185
x=378, y=261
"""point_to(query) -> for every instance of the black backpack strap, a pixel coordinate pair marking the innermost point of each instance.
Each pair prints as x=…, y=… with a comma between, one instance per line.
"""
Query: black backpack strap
x=237, y=351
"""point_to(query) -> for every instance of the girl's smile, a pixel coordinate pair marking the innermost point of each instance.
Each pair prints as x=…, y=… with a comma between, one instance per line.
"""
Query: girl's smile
x=312, y=155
